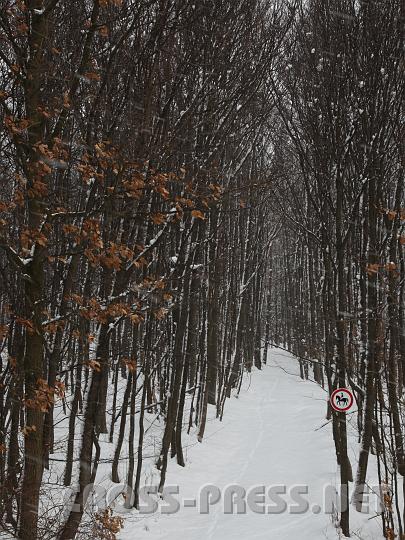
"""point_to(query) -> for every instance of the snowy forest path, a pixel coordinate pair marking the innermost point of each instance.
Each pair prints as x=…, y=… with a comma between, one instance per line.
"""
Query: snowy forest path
x=269, y=436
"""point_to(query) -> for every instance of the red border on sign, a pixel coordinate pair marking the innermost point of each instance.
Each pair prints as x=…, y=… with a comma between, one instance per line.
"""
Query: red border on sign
x=351, y=399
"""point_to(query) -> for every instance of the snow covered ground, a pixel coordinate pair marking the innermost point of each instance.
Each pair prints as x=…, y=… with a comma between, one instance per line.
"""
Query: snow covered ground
x=274, y=433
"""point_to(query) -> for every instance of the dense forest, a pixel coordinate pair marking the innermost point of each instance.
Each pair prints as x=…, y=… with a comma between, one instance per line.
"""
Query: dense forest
x=185, y=184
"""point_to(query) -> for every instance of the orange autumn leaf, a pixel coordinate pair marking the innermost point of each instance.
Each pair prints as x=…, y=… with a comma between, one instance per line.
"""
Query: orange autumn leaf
x=103, y=31
x=197, y=214
x=390, y=267
x=372, y=269
x=29, y=325
x=94, y=365
x=26, y=430
x=158, y=218
x=3, y=331
x=92, y=76
x=161, y=313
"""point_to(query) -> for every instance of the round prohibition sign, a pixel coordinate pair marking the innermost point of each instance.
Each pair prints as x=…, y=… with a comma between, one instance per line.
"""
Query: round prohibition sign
x=341, y=399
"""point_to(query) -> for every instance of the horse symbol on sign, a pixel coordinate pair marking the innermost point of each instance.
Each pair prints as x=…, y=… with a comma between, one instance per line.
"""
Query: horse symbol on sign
x=341, y=400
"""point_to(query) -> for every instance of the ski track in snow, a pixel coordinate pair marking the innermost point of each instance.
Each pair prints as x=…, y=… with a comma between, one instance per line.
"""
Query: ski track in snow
x=269, y=436
x=250, y=462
